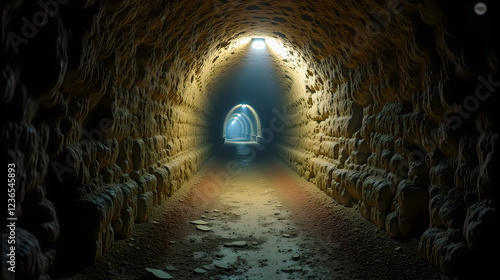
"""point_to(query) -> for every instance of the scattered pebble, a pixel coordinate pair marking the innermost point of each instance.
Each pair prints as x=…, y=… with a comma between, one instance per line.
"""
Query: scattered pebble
x=297, y=268
x=286, y=269
x=398, y=249
x=173, y=242
x=223, y=266
x=160, y=274
x=295, y=257
x=286, y=235
x=239, y=243
x=199, y=271
x=219, y=255
x=155, y=222
x=199, y=222
x=255, y=243
x=203, y=228
x=207, y=267
x=216, y=210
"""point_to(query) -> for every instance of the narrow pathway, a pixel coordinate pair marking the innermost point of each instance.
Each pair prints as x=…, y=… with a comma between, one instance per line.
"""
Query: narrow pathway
x=252, y=234
x=263, y=223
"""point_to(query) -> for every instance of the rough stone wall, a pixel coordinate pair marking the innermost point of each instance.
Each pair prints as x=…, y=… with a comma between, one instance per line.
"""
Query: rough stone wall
x=106, y=114
x=376, y=124
x=101, y=141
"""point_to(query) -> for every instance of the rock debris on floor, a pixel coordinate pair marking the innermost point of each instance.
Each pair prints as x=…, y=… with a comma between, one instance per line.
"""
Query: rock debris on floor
x=264, y=223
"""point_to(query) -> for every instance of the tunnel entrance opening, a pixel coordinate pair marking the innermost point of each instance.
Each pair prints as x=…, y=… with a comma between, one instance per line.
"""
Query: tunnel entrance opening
x=258, y=43
x=242, y=126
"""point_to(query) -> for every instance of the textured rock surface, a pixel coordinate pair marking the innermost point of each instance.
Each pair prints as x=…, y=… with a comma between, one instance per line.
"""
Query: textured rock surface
x=387, y=106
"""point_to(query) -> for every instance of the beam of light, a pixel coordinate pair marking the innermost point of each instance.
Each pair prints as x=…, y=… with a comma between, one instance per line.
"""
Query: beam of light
x=259, y=44
x=278, y=47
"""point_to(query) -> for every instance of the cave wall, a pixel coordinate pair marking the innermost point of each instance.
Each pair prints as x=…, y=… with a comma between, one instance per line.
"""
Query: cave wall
x=105, y=107
x=97, y=135
x=399, y=123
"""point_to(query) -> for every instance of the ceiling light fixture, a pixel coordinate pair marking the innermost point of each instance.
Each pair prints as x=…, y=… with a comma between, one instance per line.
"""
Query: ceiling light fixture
x=258, y=43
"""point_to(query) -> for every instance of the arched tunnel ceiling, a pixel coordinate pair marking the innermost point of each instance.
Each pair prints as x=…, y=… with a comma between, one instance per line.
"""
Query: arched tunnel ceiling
x=206, y=39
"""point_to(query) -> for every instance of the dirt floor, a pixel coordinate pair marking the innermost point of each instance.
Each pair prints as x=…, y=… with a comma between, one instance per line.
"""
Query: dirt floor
x=265, y=222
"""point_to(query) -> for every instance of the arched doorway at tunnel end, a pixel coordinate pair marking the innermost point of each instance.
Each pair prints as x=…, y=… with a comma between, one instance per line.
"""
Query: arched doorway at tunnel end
x=242, y=126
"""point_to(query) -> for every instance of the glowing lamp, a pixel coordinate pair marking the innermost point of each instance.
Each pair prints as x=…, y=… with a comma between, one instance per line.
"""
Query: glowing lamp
x=258, y=44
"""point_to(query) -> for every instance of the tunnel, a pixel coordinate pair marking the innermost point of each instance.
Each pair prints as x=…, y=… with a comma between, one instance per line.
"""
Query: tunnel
x=369, y=151
x=242, y=124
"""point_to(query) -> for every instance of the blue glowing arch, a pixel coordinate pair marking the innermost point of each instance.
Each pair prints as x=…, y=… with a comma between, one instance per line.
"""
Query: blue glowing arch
x=242, y=124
